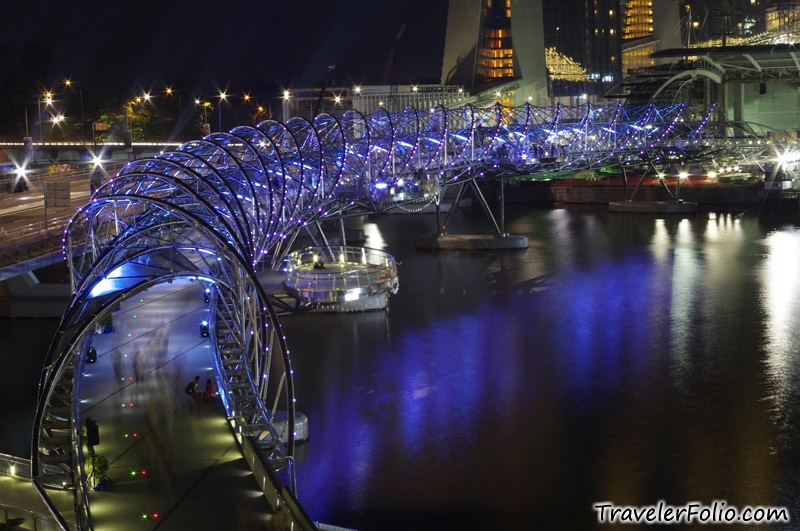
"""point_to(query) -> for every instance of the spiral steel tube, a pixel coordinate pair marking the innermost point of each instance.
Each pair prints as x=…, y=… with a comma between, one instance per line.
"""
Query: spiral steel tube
x=215, y=208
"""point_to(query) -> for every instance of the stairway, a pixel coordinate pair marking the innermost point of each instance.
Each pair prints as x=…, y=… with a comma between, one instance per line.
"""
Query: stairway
x=56, y=453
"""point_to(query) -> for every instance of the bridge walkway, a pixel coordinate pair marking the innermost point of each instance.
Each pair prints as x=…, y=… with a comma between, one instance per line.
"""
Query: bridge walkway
x=171, y=457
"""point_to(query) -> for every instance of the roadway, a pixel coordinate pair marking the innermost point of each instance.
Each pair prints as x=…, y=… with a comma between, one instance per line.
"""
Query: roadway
x=30, y=232
x=20, y=210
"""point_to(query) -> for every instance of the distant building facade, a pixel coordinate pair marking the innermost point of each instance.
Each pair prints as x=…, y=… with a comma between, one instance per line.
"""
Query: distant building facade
x=599, y=51
x=648, y=26
x=783, y=16
x=720, y=20
x=542, y=52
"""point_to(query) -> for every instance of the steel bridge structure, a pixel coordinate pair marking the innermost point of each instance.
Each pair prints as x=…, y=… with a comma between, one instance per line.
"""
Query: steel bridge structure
x=216, y=209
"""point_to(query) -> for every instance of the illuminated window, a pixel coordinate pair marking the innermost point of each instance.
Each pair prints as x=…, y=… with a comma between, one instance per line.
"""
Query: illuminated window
x=495, y=50
x=637, y=19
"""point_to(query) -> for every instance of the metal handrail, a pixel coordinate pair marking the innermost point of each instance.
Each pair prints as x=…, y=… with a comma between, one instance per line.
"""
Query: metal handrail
x=34, y=228
x=15, y=466
x=20, y=468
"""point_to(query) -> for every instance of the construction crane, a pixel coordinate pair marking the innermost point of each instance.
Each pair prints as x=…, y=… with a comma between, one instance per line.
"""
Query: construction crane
x=388, y=67
x=327, y=81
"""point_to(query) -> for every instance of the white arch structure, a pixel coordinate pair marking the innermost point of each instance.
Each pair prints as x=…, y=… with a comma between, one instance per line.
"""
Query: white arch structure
x=215, y=208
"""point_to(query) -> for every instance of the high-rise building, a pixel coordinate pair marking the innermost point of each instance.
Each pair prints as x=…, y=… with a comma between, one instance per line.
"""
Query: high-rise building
x=569, y=49
x=637, y=19
x=783, y=16
x=648, y=26
x=495, y=50
x=587, y=32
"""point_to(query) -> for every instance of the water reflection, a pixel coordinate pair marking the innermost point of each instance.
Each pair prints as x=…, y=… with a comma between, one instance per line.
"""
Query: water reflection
x=614, y=359
x=780, y=298
x=686, y=301
x=622, y=358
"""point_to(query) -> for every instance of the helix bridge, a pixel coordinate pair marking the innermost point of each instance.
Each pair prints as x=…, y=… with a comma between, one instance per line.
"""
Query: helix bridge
x=219, y=209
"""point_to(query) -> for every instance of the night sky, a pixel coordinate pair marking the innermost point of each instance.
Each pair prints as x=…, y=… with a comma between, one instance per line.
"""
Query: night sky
x=210, y=46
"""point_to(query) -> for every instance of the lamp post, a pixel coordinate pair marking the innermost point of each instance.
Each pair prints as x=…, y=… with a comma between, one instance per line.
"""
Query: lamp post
x=205, y=105
x=222, y=97
x=285, y=108
x=68, y=82
x=170, y=91
x=47, y=97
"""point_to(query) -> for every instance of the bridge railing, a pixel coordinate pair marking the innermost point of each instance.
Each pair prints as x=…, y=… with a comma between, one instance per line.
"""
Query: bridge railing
x=31, y=241
x=38, y=520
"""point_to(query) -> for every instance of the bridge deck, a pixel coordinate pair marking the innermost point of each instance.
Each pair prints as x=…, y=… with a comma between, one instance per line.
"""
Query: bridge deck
x=170, y=455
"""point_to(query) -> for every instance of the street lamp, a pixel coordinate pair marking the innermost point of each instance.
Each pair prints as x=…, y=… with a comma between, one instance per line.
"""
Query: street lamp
x=260, y=110
x=285, y=108
x=170, y=92
x=222, y=96
x=205, y=105
x=47, y=97
x=68, y=82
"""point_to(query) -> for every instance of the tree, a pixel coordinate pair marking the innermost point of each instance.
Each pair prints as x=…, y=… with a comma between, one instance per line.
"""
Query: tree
x=100, y=467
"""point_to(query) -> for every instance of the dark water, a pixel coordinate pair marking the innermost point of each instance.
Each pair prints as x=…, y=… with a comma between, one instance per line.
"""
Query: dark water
x=23, y=347
x=620, y=358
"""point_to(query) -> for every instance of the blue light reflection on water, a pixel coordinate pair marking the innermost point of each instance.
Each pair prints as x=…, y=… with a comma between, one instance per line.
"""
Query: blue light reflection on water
x=618, y=358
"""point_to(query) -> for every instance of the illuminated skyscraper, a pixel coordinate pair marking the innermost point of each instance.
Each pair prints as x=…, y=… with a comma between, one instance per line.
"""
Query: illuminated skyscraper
x=648, y=26
x=637, y=19
x=569, y=48
x=495, y=57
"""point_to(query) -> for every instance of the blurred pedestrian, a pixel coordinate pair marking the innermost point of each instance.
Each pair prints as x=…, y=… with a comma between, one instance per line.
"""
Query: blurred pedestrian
x=193, y=388
x=211, y=390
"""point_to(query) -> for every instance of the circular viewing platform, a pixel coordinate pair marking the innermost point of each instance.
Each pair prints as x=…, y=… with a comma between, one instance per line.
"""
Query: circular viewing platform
x=341, y=278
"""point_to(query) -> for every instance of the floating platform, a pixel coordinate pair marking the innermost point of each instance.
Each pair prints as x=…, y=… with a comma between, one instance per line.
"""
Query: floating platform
x=653, y=207
x=484, y=242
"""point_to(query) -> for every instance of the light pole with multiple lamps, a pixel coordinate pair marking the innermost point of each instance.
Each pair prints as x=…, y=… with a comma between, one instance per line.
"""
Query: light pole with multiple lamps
x=257, y=110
